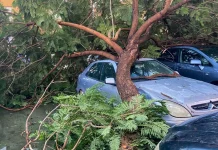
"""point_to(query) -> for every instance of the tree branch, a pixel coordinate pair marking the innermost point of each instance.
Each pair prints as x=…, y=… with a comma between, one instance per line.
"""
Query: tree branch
x=156, y=41
x=37, y=104
x=170, y=10
x=78, y=54
x=115, y=38
x=66, y=140
x=135, y=14
x=114, y=45
x=18, y=72
x=93, y=52
x=77, y=143
x=112, y=17
x=39, y=129
x=59, y=62
x=44, y=147
x=151, y=20
x=16, y=109
x=146, y=36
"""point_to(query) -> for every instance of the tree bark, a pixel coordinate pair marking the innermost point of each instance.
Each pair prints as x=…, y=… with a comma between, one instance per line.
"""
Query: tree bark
x=125, y=86
x=135, y=18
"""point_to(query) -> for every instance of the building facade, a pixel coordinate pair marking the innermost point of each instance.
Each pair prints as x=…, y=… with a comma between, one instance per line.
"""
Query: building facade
x=7, y=4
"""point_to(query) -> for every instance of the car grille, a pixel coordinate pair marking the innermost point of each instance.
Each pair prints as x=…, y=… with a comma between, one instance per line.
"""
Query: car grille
x=206, y=106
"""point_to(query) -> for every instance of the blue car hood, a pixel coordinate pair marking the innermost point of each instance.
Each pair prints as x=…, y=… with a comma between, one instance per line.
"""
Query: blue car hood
x=199, y=134
x=181, y=89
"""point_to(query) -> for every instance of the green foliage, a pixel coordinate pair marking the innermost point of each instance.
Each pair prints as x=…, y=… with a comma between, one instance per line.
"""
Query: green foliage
x=195, y=23
x=34, y=50
x=152, y=51
x=44, y=43
x=183, y=11
x=102, y=125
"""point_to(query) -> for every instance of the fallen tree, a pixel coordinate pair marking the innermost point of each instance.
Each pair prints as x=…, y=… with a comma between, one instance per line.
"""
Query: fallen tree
x=126, y=56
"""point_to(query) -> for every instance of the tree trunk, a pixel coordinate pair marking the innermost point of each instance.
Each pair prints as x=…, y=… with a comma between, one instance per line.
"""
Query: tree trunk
x=125, y=86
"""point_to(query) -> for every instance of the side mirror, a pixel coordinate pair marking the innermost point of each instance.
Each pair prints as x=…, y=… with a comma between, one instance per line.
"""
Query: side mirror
x=110, y=81
x=176, y=72
x=195, y=62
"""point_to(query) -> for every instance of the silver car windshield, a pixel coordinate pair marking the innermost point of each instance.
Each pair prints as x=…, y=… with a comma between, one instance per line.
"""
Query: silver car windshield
x=149, y=68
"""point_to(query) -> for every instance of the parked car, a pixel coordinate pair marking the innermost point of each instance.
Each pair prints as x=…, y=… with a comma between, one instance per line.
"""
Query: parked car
x=185, y=98
x=199, y=63
x=196, y=134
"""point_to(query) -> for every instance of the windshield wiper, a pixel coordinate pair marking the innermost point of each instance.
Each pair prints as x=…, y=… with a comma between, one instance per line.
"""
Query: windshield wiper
x=174, y=75
x=141, y=77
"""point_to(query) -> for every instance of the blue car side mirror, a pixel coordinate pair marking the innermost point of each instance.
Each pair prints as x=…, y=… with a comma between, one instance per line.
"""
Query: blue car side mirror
x=195, y=62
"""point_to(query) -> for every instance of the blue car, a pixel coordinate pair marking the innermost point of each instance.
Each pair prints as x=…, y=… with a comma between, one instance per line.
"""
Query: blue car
x=200, y=63
x=195, y=134
x=185, y=98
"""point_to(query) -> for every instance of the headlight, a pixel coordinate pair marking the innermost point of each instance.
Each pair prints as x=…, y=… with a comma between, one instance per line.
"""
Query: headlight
x=177, y=110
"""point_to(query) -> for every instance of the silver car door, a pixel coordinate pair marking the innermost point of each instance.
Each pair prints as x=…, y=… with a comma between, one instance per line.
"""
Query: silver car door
x=92, y=77
x=109, y=90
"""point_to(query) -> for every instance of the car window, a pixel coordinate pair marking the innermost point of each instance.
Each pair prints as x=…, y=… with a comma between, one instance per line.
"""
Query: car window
x=170, y=55
x=211, y=52
x=108, y=72
x=95, y=71
x=187, y=55
x=148, y=68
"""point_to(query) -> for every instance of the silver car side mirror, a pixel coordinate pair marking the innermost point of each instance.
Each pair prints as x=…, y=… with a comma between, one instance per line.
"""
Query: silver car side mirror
x=110, y=81
x=195, y=62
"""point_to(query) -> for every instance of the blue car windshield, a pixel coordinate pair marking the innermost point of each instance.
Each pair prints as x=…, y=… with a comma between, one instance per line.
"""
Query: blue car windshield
x=149, y=68
x=212, y=52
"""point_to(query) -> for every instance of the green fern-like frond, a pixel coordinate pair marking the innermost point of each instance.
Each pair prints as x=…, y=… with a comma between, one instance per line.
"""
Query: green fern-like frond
x=156, y=129
x=106, y=124
x=95, y=144
x=145, y=141
x=115, y=142
x=121, y=109
x=104, y=132
x=129, y=125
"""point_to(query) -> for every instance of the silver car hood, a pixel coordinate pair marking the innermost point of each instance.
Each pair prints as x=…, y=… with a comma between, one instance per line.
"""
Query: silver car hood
x=181, y=89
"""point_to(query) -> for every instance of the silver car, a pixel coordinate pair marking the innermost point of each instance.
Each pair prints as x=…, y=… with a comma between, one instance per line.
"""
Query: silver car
x=185, y=98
